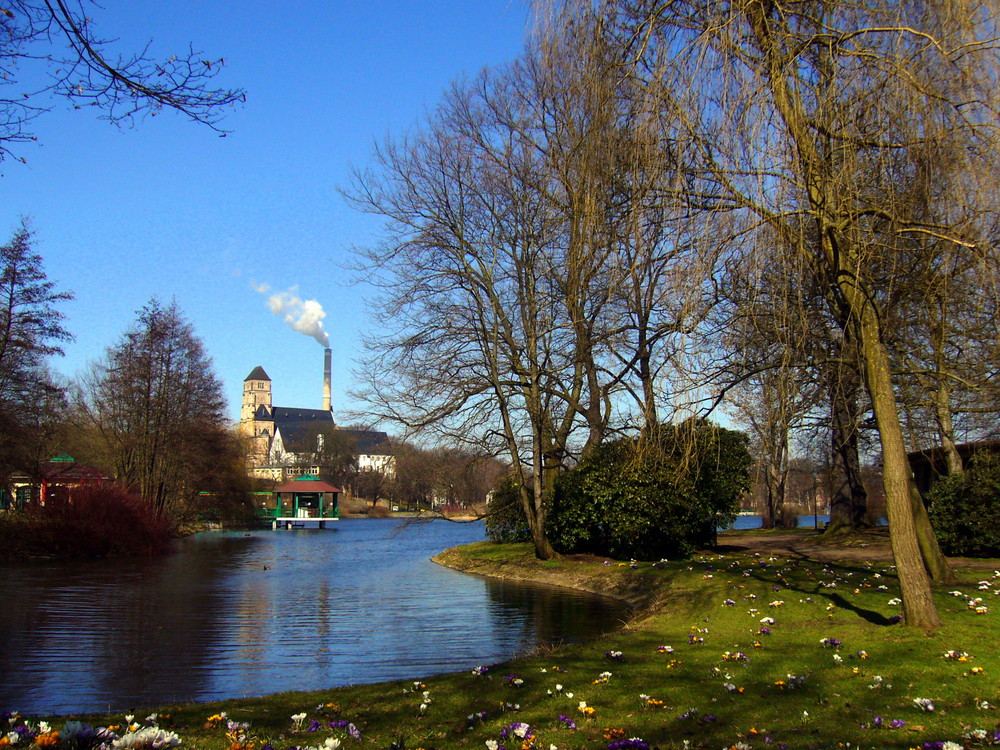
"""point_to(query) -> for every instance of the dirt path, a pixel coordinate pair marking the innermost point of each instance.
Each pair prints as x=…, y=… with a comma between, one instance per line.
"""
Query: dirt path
x=871, y=544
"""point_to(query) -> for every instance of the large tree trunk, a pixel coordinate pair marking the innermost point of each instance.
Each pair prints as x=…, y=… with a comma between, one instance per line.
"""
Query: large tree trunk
x=849, y=500
x=776, y=481
x=907, y=551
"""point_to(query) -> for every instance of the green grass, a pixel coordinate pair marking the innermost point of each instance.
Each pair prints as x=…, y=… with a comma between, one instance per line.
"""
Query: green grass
x=790, y=689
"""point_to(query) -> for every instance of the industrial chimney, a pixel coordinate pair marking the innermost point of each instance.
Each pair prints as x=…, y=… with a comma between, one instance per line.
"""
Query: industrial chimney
x=326, y=380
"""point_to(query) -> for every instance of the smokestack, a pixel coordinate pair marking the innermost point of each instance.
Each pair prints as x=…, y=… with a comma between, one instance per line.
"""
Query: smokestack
x=326, y=380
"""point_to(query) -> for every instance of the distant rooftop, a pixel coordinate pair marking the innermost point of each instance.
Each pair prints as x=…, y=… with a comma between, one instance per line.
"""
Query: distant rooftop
x=257, y=374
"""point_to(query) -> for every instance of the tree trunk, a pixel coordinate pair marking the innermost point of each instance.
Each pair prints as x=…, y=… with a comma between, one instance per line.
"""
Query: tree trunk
x=533, y=502
x=535, y=513
x=914, y=582
x=776, y=481
x=767, y=512
x=849, y=500
x=937, y=564
x=946, y=430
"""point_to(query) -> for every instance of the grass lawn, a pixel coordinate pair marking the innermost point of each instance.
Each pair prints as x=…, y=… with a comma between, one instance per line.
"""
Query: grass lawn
x=734, y=650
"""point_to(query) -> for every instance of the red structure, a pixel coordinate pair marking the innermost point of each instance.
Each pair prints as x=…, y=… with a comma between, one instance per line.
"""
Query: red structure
x=55, y=481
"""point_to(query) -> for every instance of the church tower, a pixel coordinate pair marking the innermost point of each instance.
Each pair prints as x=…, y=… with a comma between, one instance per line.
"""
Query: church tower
x=257, y=415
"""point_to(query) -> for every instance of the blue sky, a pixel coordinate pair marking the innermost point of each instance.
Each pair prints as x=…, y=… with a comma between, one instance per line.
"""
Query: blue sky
x=170, y=209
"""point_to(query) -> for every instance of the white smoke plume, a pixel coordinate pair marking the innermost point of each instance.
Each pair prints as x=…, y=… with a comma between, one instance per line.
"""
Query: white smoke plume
x=304, y=316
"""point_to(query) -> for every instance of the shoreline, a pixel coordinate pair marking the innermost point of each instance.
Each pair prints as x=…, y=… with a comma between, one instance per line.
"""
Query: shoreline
x=690, y=625
x=585, y=573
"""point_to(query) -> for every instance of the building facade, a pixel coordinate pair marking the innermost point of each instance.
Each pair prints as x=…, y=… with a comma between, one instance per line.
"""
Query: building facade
x=287, y=442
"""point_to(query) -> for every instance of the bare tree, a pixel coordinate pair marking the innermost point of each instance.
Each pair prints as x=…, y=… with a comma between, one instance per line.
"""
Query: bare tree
x=531, y=276
x=945, y=343
x=808, y=115
x=155, y=407
x=767, y=326
x=50, y=48
x=472, y=345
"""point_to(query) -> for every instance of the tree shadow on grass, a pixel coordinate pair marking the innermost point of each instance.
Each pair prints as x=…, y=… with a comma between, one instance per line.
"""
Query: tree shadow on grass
x=772, y=575
x=875, y=618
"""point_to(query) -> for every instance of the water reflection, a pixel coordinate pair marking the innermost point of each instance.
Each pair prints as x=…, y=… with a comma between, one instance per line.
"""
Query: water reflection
x=234, y=614
x=547, y=614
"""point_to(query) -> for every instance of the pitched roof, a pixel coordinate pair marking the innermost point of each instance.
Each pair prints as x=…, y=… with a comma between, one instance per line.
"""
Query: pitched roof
x=298, y=427
x=306, y=483
x=63, y=469
x=370, y=442
x=257, y=374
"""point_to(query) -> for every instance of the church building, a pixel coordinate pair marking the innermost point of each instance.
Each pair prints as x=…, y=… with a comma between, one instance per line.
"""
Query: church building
x=286, y=442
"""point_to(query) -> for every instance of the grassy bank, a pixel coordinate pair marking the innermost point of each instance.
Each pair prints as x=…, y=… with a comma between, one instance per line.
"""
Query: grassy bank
x=726, y=650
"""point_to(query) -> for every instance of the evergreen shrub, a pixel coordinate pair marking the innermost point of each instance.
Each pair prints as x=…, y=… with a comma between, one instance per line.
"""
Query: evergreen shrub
x=660, y=495
x=965, y=509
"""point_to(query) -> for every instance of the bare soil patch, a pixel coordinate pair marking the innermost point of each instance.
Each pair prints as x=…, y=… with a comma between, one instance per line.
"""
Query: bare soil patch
x=858, y=546
x=867, y=544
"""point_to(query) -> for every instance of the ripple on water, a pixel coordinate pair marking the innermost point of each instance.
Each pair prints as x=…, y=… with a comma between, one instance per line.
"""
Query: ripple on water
x=231, y=614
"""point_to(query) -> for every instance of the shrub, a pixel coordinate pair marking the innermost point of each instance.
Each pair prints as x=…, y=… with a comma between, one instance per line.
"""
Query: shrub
x=965, y=509
x=505, y=521
x=661, y=495
x=96, y=521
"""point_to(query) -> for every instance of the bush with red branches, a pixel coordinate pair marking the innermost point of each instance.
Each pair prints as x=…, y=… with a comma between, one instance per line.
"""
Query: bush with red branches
x=93, y=521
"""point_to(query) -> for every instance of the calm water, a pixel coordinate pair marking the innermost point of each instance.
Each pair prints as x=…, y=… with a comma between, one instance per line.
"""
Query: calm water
x=233, y=614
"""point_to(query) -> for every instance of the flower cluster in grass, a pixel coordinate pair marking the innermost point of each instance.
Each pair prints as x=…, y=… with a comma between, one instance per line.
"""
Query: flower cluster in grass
x=813, y=672
x=128, y=735
x=316, y=732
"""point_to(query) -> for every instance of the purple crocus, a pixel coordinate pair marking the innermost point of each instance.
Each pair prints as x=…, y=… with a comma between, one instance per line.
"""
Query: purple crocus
x=630, y=744
x=24, y=732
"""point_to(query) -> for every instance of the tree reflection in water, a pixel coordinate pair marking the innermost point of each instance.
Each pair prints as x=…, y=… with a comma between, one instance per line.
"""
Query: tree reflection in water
x=231, y=614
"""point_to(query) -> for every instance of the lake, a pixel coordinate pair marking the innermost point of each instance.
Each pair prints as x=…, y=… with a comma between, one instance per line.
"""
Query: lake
x=239, y=614
x=805, y=522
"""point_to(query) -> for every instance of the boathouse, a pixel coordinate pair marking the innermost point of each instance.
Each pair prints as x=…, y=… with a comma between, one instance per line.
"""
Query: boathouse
x=54, y=479
x=304, y=500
